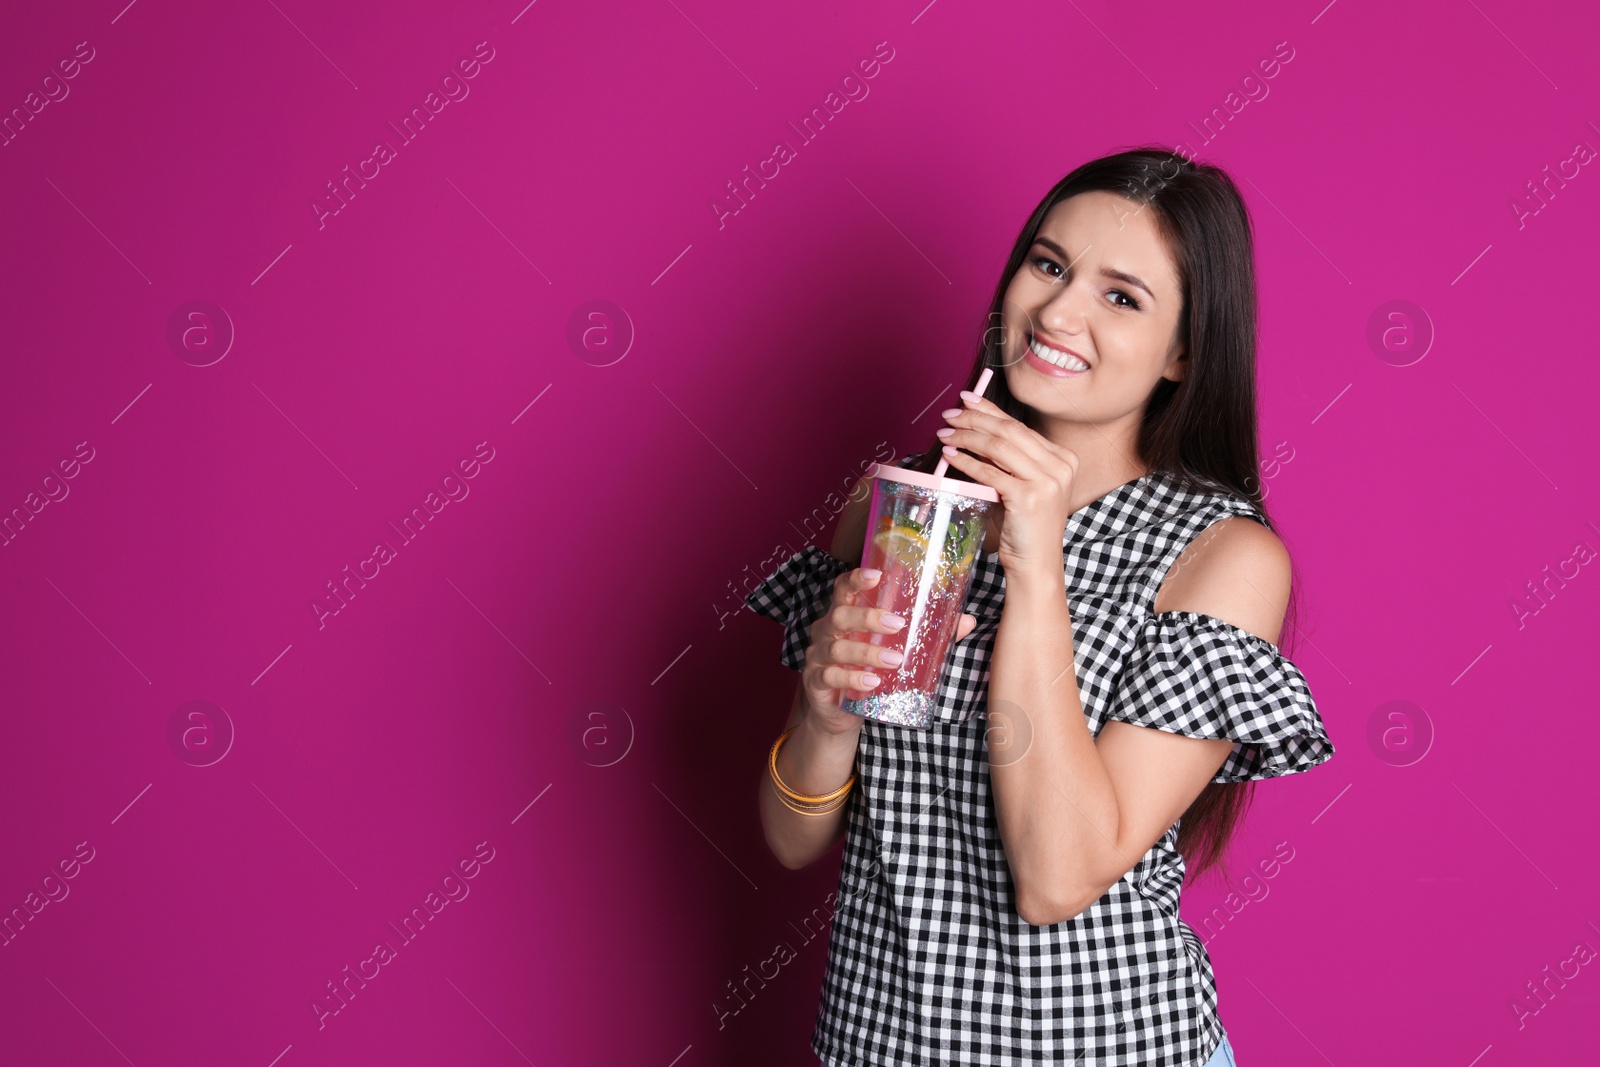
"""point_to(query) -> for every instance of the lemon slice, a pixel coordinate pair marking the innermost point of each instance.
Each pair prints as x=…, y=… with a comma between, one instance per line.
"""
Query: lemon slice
x=949, y=565
x=901, y=545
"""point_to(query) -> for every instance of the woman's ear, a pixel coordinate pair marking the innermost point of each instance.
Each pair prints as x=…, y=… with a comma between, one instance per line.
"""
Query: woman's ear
x=1177, y=366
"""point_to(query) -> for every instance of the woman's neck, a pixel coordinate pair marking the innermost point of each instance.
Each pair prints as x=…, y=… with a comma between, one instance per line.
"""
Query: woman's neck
x=1108, y=457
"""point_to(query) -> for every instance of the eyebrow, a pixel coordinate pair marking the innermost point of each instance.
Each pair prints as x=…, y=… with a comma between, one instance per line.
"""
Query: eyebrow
x=1109, y=272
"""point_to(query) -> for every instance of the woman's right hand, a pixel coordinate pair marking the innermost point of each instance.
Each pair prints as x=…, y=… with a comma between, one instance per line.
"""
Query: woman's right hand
x=834, y=662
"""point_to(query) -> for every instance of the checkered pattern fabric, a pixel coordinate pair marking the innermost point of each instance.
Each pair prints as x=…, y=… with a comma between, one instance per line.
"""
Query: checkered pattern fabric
x=928, y=961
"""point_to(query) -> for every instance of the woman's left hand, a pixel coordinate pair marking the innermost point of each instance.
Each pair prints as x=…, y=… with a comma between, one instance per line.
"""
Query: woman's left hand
x=1032, y=474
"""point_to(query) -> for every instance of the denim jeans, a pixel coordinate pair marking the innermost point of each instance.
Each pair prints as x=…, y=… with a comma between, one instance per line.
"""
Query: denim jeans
x=1223, y=1057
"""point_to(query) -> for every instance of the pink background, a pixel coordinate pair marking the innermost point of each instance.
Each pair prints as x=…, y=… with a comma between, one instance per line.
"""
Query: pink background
x=556, y=666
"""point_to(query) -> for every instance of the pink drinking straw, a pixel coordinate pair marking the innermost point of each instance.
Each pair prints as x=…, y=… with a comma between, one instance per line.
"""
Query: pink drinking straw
x=983, y=383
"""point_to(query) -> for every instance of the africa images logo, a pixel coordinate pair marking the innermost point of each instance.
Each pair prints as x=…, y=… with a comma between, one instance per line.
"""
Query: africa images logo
x=455, y=90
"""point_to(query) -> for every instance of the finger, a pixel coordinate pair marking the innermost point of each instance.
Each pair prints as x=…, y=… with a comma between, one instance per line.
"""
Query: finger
x=971, y=439
x=1014, y=428
x=844, y=676
x=849, y=586
x=982, y=471
x=862, y=654
x=974, y=402
x=986, y=416
x=862, y=618
x=966, y=624
x=1000, y=451
x=823, y=677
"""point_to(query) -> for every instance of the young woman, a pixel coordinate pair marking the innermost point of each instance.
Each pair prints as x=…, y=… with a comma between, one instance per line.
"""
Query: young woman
x=1010, y=882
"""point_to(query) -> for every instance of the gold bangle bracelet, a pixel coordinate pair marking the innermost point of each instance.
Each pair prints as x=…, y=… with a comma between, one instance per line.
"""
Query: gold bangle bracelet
x=783, y=789
x=806, y=811
x=807, y=807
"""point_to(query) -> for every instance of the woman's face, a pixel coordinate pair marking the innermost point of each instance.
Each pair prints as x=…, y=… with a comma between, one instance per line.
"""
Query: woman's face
x=1098, y=282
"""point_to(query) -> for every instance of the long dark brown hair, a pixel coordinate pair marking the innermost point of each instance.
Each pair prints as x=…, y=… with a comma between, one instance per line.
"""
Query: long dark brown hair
x=1201, y=430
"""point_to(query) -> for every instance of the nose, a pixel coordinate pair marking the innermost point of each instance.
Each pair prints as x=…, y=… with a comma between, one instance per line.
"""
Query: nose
x=1064, y=313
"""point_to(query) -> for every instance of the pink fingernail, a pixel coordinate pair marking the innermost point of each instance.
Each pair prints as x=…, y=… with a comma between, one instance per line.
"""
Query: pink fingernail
x=870, y=573
x=870, y=680
x=893, y=622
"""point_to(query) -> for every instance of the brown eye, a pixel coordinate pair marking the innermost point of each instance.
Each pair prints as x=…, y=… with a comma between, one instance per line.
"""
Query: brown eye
x=1040, y=261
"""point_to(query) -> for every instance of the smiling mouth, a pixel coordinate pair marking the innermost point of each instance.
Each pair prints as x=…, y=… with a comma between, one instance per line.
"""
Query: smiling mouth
x=1058, y=361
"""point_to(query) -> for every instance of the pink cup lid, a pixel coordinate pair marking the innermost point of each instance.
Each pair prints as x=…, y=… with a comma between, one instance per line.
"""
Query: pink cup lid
x=928, y=481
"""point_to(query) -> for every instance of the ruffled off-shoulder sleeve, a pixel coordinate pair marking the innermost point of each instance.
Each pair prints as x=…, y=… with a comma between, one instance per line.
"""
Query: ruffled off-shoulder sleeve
x=796, y=594
x=1197, y=675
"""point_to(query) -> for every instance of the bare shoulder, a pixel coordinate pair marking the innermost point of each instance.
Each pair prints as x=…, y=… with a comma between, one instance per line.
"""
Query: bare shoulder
x=1236, y=570
x=850, y=534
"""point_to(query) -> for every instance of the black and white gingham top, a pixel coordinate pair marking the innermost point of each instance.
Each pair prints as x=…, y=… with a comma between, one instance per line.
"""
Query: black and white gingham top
x=928, y=961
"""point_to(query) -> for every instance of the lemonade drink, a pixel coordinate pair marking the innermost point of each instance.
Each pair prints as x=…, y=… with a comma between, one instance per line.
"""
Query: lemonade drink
x=923, y=533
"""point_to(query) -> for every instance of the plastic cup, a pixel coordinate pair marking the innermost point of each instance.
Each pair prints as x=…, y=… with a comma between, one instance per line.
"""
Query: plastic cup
x=924, y=533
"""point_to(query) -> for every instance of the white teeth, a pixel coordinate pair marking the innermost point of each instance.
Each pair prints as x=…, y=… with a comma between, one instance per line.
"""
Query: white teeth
x=1059, y=359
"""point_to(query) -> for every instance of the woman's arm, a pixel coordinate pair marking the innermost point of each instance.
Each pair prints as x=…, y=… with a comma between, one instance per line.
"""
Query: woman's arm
x=1077, y=813
x=815, y=760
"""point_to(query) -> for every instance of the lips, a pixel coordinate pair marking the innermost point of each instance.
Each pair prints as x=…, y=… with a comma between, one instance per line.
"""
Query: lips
x=1047, y=368
x=1054, y=347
